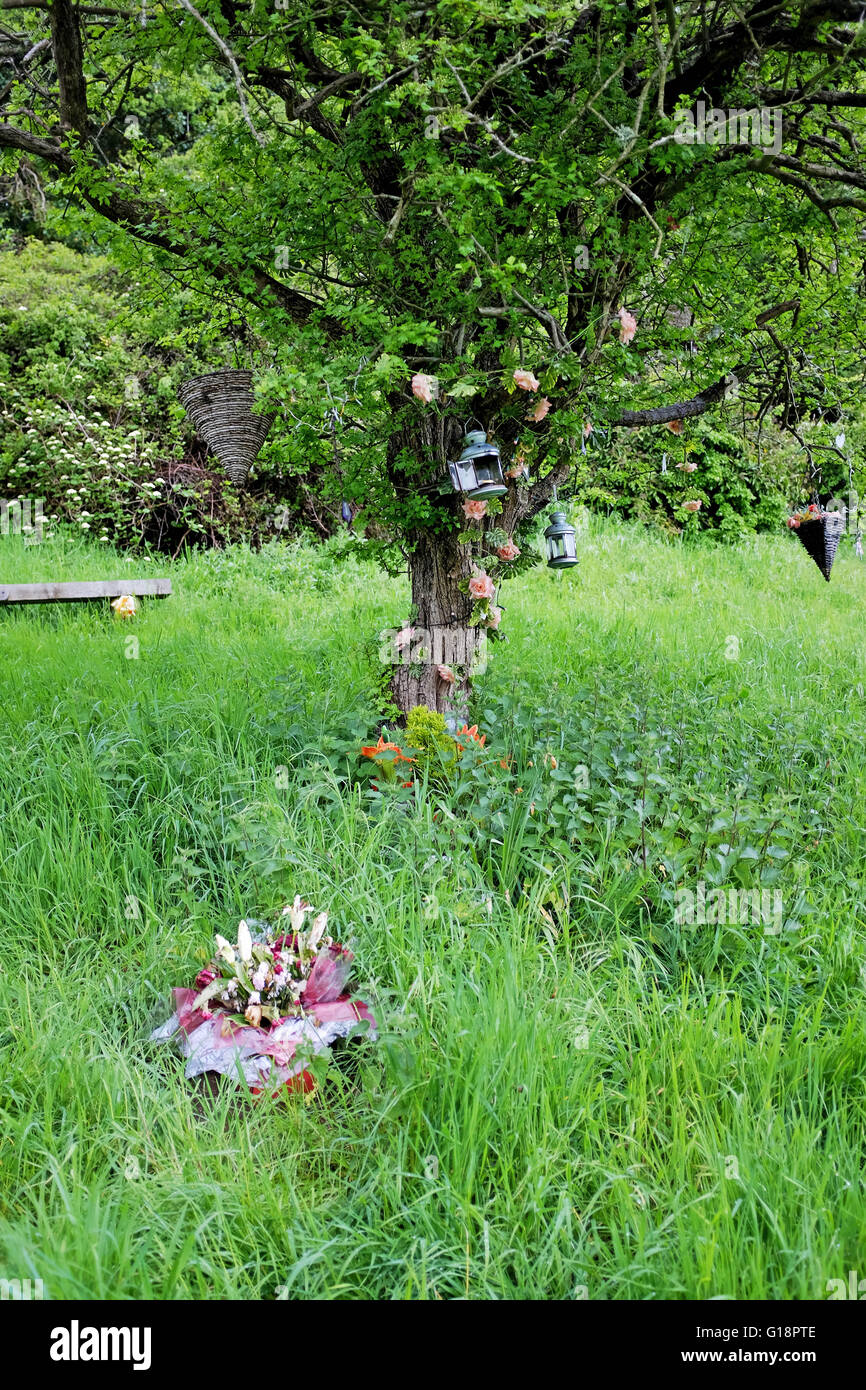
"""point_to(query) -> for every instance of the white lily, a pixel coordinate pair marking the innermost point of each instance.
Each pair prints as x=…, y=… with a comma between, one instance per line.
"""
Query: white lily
x=298, y=913
x=245, y=942
x=225, y=951
x=317, y=930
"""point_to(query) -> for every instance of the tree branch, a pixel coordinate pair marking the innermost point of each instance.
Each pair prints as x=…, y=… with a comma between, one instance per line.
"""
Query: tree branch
x=684, y=410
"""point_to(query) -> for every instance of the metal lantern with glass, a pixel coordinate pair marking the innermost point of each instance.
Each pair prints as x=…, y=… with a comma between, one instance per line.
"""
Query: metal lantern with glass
x=561, y=542
x=478, y=471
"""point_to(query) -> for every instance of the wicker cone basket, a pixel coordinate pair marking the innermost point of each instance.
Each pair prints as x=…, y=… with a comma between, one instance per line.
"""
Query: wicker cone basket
x=219, y=405
x=821, y=540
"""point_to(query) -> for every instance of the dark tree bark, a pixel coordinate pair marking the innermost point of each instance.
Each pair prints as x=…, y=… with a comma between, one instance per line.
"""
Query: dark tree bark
x=437, y=564
x=442, y=632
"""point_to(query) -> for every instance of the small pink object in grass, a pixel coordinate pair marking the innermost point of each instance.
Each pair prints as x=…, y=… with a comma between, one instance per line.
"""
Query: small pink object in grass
x=481, y=585
x=693, y=506
x=627, y=326
x=422, y=386
x=474, y=510
x=540, y=410
x=525, y=380
x=125, y=606
x=508, y=551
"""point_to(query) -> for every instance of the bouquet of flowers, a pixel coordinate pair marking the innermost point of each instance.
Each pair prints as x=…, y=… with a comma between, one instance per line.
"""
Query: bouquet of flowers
x=811, y=513
x=263, y=1006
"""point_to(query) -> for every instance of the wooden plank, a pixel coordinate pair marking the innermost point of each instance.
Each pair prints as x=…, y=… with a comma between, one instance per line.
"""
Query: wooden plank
x=89, y=589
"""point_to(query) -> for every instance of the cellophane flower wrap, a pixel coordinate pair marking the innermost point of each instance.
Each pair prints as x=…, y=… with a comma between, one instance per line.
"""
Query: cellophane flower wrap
x=263, y=1006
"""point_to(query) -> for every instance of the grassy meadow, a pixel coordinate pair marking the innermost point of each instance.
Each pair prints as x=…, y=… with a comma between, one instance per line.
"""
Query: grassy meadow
x=574, y=1094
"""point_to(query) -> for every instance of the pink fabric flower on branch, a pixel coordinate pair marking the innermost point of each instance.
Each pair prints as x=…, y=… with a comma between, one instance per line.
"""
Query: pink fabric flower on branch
x=494, y=618
x=446, y=674
x=423, y=386
x=474, y=510
x=525, y=380
x=540, y=410
x=675, y=426
x=627, y=326
x=693, y=506
x=481, y=585
x=508, y=551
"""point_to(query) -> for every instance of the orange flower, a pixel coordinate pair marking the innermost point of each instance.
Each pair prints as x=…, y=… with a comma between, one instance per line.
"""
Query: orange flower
x=382, y=747
x=471, y=734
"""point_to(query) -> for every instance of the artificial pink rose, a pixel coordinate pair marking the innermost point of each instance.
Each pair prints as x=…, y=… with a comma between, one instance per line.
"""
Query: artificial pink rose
x=446, y=674
x=422, y=386
x=474, y=510
x=693, y=506
x=481, y=585
x=494, y=618
x=627, y=326
x=508, y=551
x=587, y=428
x=525, y=380
x=404, y=637
x=541, y=409
x=518, y=467
x=204, y=978
x=688, y=467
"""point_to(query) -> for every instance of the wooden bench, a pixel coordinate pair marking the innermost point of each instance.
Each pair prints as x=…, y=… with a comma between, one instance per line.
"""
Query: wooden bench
x=83, y=590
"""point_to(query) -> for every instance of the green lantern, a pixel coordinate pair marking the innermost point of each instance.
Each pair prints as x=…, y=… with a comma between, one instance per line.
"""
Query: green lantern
x=561, y=542
x=478, y=471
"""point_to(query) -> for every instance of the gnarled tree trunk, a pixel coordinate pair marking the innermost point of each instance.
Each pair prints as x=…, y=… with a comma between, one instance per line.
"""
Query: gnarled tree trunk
x=442, y=635
x=437, y=563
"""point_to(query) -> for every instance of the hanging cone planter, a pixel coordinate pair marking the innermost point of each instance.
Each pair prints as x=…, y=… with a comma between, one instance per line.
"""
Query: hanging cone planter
x=219, y=405
x=819, y=533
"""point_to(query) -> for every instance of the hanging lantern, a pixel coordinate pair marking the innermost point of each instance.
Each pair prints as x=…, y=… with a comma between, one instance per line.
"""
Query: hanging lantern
x=561, y=542
x=478, y=471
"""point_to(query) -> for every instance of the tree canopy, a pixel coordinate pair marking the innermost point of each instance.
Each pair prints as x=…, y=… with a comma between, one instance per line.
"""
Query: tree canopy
x=463, y=190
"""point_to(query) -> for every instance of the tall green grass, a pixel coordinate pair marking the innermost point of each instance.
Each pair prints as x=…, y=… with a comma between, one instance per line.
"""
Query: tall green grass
x=570, y=1098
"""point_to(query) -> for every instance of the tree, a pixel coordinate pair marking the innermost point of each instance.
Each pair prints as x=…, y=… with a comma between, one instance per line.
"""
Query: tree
x=489, y=209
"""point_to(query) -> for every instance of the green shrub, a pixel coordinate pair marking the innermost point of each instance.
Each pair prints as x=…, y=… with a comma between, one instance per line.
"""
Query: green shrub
x=739, y=490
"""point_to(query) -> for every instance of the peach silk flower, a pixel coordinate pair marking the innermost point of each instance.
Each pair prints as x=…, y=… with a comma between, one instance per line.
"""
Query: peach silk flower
x=627, y=326
x=474, y=510
x=540, y=410
x=675, y=426
x=422, y=386
x=693, y=506
x=508, y=551
x=481, y=585
x=446, y=674
x=525, y=380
